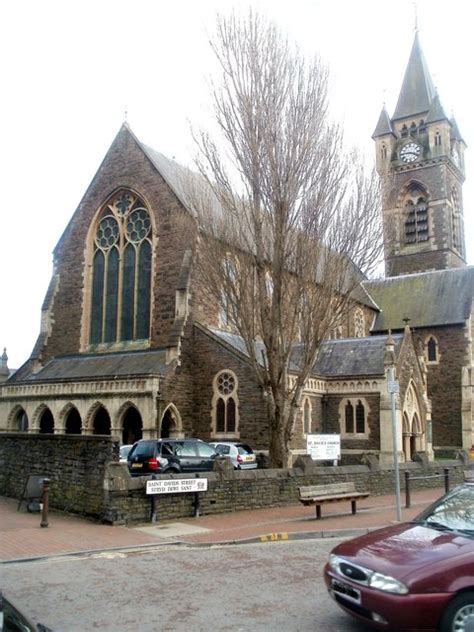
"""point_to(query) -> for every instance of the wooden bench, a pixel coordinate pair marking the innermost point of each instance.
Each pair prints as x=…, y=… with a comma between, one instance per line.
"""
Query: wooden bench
x=320, y=494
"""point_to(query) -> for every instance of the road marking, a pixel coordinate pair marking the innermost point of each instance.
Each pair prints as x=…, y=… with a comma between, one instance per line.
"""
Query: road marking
x=274, y=537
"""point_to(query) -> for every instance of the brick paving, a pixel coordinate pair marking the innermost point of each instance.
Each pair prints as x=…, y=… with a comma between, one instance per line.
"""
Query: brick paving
x=22, y=537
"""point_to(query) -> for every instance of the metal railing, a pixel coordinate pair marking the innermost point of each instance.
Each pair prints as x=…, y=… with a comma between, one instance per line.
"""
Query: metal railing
x=409, y=478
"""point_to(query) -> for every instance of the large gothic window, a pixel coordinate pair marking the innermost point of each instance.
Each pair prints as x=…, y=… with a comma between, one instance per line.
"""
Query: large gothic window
x=121, y=271
x=416, y=216
x=225, y=404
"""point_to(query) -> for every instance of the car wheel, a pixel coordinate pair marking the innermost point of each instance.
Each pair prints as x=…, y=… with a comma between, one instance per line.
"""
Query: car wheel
x=459, y=615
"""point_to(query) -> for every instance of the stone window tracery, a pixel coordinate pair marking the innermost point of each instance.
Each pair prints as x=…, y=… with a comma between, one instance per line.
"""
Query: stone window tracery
x=353, y=414
x=225, y=404
x=121, y=271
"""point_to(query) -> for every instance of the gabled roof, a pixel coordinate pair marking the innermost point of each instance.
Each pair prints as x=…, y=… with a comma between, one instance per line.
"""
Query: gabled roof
x=348, y=357
x=418, y=89
x=102, y=365
x=354, y=356
x=428, y=299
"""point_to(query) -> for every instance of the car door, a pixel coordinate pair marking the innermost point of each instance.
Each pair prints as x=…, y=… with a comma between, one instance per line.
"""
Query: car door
x=189, y=459
x=207, y=455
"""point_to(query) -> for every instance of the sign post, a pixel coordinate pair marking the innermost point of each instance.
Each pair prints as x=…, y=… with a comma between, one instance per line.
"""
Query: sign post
x=155, y=487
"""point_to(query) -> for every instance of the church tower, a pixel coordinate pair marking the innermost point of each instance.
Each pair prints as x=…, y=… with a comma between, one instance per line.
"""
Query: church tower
x=420, y=157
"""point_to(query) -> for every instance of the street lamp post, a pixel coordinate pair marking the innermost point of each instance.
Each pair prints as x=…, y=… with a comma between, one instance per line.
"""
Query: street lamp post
x=393, y=388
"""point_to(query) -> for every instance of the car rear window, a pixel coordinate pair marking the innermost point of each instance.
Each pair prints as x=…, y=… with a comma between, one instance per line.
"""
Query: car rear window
x=244, y=449
x=144, y=448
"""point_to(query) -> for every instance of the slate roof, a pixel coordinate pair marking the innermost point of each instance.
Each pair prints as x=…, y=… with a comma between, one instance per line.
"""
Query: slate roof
x=347, y=357
x=428, y=299
x=102, y=365
x=417, y=90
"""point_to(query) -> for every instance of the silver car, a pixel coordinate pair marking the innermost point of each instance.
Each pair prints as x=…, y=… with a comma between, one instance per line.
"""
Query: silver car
x=241, y=455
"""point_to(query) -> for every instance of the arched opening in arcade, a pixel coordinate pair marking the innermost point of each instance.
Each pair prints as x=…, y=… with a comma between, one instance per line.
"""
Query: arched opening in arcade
x=132, y=426
x=46, y=423
x=101, y=424
x=73, y=422
x=20, y=421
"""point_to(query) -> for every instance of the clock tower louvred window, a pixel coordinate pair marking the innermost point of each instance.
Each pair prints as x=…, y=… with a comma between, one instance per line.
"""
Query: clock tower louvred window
x=121, y=271
x=416, y=217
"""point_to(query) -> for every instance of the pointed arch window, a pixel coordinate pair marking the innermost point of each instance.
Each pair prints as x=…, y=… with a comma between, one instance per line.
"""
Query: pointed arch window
x=307, y=414
x=432, y=350
x=225, y=405
x=416, y=216
x=456, y=223
x=353, y=415
x=359, y=323
x=121, y=271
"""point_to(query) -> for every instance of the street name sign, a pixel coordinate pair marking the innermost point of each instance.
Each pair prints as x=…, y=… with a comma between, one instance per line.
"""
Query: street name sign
x=176, y=486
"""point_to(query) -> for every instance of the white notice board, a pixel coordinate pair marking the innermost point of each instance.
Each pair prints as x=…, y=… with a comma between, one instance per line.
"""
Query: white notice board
x=324, y=447
x=176, y=486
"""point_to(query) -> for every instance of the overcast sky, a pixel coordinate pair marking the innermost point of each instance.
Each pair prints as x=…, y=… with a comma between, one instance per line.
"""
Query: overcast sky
x=71, y=69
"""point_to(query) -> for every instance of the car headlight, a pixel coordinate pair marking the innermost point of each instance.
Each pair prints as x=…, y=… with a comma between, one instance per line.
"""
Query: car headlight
x=334, y=562
x=387, y=584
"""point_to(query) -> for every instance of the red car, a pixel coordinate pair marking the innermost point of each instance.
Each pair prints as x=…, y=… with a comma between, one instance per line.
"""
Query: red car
x=416, y=576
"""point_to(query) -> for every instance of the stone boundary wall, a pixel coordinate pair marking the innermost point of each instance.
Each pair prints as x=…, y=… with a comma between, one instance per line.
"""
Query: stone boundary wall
x=86, y=478
x=75, y=464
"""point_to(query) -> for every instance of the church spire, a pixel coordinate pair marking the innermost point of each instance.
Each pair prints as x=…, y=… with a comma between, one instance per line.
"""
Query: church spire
x=418, y=89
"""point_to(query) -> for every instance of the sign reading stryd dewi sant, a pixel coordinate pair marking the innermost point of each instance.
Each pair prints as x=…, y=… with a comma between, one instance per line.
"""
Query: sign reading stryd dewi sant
x=323, y=447
x=176, y=486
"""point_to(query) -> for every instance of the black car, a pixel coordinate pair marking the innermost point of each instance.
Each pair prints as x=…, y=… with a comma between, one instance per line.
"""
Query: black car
x=12, y=620
x=158, y=456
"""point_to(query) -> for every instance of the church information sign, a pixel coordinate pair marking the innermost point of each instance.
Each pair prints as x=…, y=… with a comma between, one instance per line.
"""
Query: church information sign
x=323, y=447
x=176, y=486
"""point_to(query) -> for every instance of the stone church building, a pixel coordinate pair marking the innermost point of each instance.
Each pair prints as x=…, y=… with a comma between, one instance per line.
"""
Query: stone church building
x=129, y=347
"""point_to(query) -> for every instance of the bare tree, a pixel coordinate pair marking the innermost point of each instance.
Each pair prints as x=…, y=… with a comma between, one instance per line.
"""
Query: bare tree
x=294, y=221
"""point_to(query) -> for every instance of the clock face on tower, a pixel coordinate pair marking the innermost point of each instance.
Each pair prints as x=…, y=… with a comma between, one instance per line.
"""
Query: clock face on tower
x=410, y=152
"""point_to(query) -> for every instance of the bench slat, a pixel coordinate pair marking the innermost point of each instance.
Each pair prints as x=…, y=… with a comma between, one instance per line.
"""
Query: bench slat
x=321, y=494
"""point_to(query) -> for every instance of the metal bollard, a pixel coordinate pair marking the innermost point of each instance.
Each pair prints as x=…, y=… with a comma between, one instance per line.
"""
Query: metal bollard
x=45, y=498
x=153, y=504
x=446, y=479
x=407, y=490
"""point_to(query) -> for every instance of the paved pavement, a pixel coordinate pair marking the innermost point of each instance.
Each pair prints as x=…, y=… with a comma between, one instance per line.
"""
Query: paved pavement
x=22, y=538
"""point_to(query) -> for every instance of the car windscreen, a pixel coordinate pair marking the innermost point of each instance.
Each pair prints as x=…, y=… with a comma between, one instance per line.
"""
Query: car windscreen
x=453, y=511
x=244, y=449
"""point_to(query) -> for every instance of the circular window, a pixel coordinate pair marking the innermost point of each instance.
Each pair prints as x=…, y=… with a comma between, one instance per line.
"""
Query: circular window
x=225, y=383
x=138, y=225
x=107, y=232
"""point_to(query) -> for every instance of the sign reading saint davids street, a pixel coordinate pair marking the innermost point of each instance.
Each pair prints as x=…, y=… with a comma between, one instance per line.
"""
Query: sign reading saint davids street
x=177, y=486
